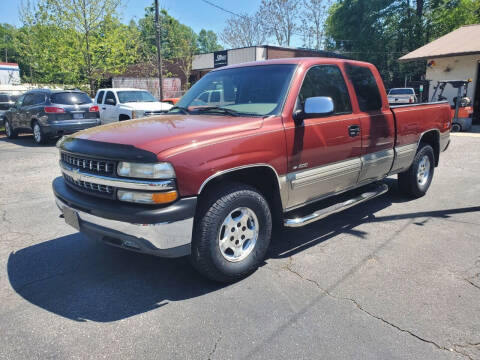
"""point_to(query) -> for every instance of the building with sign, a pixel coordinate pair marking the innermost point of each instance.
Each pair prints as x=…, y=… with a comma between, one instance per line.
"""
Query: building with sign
x=203, y=63
x=9, y=73
x=455, y=56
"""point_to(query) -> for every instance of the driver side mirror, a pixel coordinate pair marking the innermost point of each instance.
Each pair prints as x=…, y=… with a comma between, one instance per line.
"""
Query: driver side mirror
x=110, y=102
x=314, y=107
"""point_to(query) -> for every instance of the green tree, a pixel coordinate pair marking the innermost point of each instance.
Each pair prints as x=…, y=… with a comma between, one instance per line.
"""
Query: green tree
x=84, y=17
x=8, y=52
x=208, y=41
x=55, y=48
x=381, y=31
x=178, y=41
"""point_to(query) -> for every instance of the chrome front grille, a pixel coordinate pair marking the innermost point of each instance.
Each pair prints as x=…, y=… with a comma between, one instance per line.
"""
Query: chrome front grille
x=89, y=165
x=152, y=113
x=97, y=189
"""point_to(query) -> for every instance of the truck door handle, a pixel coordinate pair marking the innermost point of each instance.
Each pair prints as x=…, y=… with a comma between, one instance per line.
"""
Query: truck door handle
x=354, y=130
x=103, y=108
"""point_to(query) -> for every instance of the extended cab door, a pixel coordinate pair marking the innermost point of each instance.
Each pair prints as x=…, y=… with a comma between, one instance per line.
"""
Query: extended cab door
x=323, y=153
x=376, y=121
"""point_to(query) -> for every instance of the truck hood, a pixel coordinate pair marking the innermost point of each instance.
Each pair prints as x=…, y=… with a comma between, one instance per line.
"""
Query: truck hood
x=169, y=134
x=149, y=106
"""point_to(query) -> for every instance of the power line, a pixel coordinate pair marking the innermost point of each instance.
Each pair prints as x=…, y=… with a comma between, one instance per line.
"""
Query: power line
x=243, y=17
x=222, y=8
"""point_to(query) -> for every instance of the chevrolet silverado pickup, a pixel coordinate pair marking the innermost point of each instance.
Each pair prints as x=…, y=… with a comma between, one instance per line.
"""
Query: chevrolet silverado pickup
x=290, y=142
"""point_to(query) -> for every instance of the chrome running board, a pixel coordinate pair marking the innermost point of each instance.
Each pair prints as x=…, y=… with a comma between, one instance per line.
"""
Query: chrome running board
x=335, y=208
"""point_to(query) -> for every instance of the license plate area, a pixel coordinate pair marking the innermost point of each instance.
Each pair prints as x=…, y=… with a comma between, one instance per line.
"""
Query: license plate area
x=78, y=115
x=71, y=218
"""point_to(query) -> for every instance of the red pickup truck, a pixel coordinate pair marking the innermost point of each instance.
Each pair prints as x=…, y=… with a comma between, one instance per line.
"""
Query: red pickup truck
x=285, y=142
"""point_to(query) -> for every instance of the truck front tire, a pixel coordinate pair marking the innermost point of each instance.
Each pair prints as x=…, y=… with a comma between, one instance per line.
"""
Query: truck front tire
x=232, y=233
x=417, y=179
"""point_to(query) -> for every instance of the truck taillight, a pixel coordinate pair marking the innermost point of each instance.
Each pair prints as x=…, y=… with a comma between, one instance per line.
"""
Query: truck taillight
x=411, y=100
x=53, y=110
x=94, y=108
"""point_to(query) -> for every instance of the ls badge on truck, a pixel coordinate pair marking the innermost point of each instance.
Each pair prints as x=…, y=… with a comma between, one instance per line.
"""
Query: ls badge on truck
x=300, y=166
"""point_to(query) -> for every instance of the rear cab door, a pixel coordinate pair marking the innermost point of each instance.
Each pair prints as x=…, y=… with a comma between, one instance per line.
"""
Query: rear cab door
x=323, y=153
x=376, y=121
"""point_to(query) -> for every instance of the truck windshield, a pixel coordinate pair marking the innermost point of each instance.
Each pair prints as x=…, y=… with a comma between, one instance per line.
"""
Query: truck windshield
x=401, y=92
x=135, y=96
x=251, y=90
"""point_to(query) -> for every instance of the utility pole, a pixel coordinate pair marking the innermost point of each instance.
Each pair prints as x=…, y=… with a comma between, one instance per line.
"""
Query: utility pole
x=159, y=53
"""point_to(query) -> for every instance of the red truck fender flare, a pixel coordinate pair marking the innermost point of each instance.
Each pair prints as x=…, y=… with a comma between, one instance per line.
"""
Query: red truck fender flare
x=281, y=180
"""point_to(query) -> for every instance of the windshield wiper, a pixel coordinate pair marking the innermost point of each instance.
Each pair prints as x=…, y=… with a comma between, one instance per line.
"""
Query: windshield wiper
x=181, y=108
x=225, y=110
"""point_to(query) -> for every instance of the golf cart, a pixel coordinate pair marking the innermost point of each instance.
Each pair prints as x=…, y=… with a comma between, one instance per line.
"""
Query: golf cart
x=462, y=109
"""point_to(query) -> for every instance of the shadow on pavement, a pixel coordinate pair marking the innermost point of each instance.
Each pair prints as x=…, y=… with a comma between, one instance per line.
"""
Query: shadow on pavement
x=26, y=140
x=80, y=279
x=292, y=241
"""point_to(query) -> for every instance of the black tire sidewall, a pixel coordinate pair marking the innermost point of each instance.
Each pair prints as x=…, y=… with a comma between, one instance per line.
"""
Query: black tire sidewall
x=42, y=135
x=456, y=127
x=420, y=190
x=210, y=226
x=7, y=125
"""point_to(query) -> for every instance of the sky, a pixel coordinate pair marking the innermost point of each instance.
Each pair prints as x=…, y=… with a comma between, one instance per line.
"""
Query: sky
x=194, y=13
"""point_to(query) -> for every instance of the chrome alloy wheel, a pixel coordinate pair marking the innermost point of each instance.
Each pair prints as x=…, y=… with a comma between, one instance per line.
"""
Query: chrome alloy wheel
x=423, y=172
x=37, y=133
x=8, y=130
x=238, y=234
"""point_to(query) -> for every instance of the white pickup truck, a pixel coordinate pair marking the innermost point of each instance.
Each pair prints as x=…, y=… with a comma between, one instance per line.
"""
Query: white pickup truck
x=118, y=104
x=402, y=96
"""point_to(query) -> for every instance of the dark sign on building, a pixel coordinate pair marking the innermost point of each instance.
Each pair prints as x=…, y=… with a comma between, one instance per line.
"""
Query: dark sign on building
x=220, y=58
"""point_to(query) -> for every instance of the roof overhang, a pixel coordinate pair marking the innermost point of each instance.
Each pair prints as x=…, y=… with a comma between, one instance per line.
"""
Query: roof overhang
x=406, y=59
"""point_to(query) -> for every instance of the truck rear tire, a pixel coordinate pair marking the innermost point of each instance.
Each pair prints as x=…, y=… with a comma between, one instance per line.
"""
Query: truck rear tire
x=417, y=179
x=38, y=134
x=232, y=233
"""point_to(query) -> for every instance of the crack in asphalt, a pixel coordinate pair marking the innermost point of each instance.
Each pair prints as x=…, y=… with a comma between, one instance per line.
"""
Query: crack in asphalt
x=210, y=356
x=472, y=283
x=288, y=267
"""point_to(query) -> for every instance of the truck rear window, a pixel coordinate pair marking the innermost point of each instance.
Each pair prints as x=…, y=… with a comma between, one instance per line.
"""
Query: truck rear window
x=366, y=87
x=401, y=92
x=70, y=98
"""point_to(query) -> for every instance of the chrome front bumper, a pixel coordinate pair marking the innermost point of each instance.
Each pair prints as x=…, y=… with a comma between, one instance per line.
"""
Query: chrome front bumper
x=165, y=239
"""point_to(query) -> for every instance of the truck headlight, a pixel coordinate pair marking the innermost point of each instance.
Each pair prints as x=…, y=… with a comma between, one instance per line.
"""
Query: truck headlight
x=137, y=114
x=145, y=170
x=143, y=197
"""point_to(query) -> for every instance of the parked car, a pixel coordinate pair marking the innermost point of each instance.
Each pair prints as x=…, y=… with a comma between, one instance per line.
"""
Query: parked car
x=118, y=104
x=209, y=97
x=172, y=101
x=7, y=100
x=402, y=96
x=295, y=141
x=51, y=113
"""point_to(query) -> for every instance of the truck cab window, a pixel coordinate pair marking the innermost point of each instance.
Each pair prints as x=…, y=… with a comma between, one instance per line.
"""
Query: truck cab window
x=110, y=96
x=326, y=80
x=366, y=88
x=100, y=97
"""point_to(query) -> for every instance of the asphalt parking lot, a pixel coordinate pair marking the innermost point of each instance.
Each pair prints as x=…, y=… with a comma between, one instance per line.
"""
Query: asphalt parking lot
x=389, y=279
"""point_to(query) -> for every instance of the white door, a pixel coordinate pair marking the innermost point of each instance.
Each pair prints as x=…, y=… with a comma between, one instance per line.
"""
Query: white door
x=108, y=110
